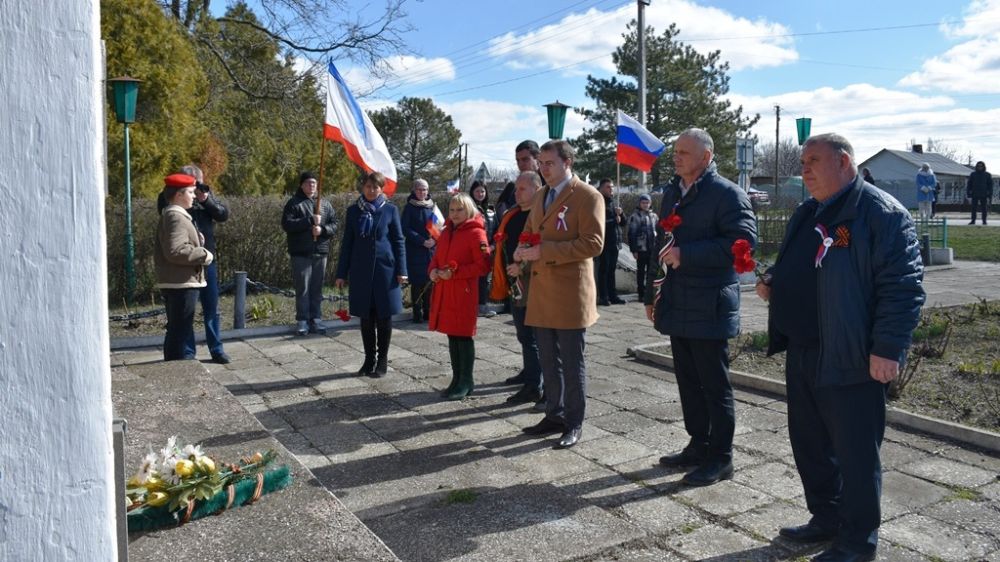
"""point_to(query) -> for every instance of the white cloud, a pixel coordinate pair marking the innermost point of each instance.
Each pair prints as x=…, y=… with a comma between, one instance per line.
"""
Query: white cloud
x=593, y=35
x=971, y=66
x=397, y=71
x=493, y=128
x=873, y=118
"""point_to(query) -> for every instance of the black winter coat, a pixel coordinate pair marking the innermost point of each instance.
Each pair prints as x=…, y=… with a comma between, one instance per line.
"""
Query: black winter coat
x=870, y=292
x=296, y=221
x=980, y=185
x=418, y=257
x=701, y=298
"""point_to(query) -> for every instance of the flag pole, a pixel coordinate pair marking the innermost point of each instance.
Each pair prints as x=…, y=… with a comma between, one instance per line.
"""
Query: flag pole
x=618, y=182
x=319, y=185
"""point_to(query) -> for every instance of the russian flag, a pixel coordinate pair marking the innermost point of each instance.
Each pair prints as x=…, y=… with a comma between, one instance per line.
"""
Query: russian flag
x=348, y=124
x=452, y=186
x=434, y=223
x=637, y=147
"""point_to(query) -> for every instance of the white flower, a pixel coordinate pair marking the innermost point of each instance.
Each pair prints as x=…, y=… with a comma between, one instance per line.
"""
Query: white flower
x=147, y=467
x=192, y=452
x=168, y=472
x=170, y=450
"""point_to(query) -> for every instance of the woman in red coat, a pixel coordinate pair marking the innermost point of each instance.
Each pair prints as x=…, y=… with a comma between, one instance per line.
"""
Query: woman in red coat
x=462, y=256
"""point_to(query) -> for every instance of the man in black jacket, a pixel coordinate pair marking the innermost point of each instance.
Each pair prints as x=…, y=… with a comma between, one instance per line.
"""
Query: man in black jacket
x=698, y=303
x=607, y=262
x=845, y=294
x=205, y=212
x=979, y=189
x=309, y=237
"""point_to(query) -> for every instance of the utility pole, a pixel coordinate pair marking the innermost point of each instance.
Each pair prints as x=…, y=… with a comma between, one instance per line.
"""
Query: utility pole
x=641, y=4
x=777, y=146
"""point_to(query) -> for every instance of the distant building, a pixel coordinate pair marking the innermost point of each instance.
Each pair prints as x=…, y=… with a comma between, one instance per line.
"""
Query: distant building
x=895, y=171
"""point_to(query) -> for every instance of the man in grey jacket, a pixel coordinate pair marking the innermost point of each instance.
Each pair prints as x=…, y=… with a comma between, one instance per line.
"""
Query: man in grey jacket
x=845, y=294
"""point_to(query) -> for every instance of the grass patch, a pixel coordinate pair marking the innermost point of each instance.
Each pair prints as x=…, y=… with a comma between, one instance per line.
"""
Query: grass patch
x=460, y=496
x=975, y=243
x=961, y=493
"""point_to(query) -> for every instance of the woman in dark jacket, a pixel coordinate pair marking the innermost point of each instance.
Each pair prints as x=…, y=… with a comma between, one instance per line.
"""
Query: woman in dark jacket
x=420, y=210
x=481, y=198
x=462, y=256
x=373, y=262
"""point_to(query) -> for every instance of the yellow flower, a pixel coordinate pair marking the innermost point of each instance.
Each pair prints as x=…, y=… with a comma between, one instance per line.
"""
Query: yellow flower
x=184, y=468
x=257, y=457
x=156, y=499
x=154, y=483
x=206, y=465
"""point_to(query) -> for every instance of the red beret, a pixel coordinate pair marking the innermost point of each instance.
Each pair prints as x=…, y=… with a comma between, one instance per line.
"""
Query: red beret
x=178, y=180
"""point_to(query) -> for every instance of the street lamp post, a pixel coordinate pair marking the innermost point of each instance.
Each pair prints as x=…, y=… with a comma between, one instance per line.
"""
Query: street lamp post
x=126, y=92
x=557, y=118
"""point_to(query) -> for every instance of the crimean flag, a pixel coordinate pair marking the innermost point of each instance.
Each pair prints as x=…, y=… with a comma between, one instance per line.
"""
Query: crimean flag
x=434, y=223
x=637, y=147
x=452, y=186
x=348, y=124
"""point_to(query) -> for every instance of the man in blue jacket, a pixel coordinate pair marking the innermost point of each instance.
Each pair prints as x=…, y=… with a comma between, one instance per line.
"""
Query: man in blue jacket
x=845, y=294
x=698, y=303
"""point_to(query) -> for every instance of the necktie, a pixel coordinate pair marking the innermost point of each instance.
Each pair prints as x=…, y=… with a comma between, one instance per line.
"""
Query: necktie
x=549, y=198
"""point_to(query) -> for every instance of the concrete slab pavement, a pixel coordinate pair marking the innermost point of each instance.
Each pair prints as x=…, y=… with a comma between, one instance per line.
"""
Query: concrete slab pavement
x=459, y=481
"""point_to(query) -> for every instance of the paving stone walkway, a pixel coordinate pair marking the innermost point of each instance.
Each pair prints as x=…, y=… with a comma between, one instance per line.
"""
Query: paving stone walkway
x=442, y=480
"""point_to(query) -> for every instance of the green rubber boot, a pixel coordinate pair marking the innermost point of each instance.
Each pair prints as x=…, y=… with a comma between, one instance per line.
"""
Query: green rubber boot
x=453, y=352
x=466, y=361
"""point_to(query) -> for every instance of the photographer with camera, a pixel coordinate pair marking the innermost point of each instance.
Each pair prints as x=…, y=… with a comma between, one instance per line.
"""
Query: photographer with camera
x=205, y=212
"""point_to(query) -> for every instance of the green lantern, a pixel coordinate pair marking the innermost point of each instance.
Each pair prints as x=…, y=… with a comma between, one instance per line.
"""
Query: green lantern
x=802, y=126
x=126, y=92
x=557, y=118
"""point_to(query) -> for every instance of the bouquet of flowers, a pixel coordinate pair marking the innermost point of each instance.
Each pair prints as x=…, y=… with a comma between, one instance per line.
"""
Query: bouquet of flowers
x=342, y=312
x=667, y=224
x=526, y=240
x=178, y=484
x=743, y=260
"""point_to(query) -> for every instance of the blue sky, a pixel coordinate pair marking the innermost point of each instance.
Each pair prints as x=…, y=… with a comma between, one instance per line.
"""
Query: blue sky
x=884, y=73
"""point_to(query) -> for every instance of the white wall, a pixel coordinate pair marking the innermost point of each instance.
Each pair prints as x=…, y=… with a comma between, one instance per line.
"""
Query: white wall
x=56, y=474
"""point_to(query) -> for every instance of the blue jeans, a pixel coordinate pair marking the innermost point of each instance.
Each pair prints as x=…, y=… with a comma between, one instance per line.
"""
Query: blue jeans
x=209, y=297
x=529, y=349
x=179, y=304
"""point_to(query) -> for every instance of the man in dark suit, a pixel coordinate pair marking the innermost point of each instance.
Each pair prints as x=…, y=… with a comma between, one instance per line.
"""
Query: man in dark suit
x=607, y=262
x=562, y=296
x=843, y=304
x=699, y=301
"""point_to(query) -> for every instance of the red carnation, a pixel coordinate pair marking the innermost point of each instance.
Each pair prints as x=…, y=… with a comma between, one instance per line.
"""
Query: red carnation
x=452, y=265
x=530, y=238
x=741, y=247
x=499, y=237
x=343, y=315
x=743, y=262
x=670, y=222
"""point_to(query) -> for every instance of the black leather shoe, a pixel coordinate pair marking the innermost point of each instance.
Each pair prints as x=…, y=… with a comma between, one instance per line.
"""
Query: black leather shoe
x=690, y=456
x=839, y=555
x=516, y=379
x=617, y=300
x=221, y=358
x=808, y=533
x=368, y=367
x=709, y=473
x=570, y=438
x=540, y=405
x=524, y=396
x=545, y=427
x=603, y=302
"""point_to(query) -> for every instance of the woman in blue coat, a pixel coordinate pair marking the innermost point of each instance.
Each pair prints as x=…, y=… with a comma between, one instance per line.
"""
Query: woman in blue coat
x=420, y=245
x=373, y=262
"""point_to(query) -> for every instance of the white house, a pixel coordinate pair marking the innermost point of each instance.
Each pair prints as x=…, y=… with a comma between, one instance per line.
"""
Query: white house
x=895, y=171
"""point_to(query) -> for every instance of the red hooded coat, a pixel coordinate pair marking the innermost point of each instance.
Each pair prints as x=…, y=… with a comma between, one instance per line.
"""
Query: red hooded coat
x=455, y=302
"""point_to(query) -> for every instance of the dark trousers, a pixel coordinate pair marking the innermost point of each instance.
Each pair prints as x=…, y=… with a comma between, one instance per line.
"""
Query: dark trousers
x=376, y=333
x=180, y=305
x=606, y=264
x=531, y=365
x=307, y=277
x=209, y=297
x=484, y=289
x=421, y=304
x=641, y=265
x=702, y=370
x=836, y=432
x=979, y=204
x=564, y=374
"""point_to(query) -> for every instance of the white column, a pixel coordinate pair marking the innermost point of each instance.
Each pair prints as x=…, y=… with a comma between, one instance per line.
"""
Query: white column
x=56, y=474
